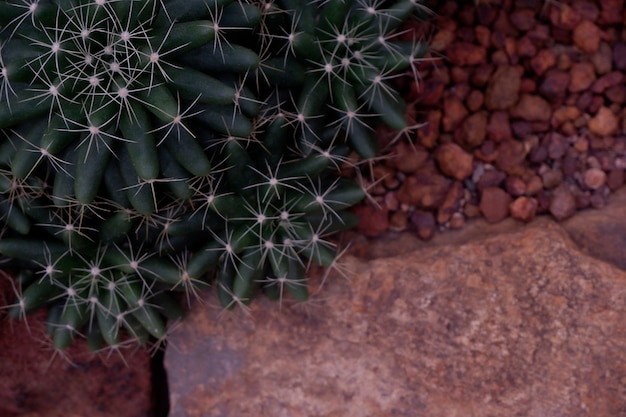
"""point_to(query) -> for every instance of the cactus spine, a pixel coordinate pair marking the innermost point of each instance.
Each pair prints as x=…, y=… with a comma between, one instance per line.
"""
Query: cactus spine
x=151, y=147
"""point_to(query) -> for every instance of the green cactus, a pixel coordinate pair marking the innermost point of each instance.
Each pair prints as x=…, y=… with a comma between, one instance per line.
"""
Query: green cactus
x=156, y=147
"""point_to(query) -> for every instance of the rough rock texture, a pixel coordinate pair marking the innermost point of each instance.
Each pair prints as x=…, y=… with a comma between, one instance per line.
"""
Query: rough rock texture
x=34, y=382
x=522, y=323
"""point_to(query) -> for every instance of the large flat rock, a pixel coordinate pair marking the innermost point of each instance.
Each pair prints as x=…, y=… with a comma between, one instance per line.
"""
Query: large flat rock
x=520, y=323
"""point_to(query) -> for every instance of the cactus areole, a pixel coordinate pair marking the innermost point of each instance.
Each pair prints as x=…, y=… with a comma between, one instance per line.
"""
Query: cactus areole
x=152, y=148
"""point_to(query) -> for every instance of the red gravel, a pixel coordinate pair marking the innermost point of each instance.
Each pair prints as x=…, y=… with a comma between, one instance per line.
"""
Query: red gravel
x=522, y=104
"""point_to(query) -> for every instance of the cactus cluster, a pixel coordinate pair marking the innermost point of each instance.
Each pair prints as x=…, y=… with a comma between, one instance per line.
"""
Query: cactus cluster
x=155, y=147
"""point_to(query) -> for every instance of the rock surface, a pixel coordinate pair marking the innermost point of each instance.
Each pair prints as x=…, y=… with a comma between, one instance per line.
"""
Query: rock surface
x=523, y=322
x=34, y=382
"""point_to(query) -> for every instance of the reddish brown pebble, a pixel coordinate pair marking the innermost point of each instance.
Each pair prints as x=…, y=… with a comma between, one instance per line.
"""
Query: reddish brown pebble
x=582, y=76
x=494, y=204
x=552, y=178
x=408, y=158
x=503, y=89
x=523, y=208
x=454, y=161
x=602, y=60
x=424, y=189
x=499, y=127
x=586, y=37
x=428, y=133
x=594, y=178
x=524, y=48
x=534, y=185
x=424, y=223
x=523, y=19
x=453, y=113
x=451, y=204
x=442, y=40
x=372, y=221
x=398, y=221
x=532, y=108
x=475, y=100
x=563, y=203
x=615, y=179
x=515, y=186
x=490, y=178
x=465, y=53
x=581, y=145
x=543, y=61
x=474, y=129
x=563, y=16
x=606, y=81
x=482, y=75
x=511, y=156
x=604, y=123
x=431, y=92
x=611, y=11
x=554, y=85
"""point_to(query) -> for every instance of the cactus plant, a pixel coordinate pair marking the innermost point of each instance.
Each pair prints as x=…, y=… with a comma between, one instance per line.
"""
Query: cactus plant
x=151, y=147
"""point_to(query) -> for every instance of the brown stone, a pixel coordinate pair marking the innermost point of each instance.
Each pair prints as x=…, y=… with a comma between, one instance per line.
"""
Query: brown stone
x=454, y=161
x=563, y=16
x=494, y=204
x=466, y=54
x=515, y=186
x=481, y=75
x=611, y=11
x=555, y=84
x=429, y=132
x=604, y=123
x=543, y=61
x=490, y=178
x=523, y=208
x=564, y=114
x=617, y=93
x=407, y=158
x=602, y=60
x=35, y=381
x=586, y=37
x=424, y=224
x=523, y=319
x=503, y=89
x=499, y=127
x=511, y=156
x=453, y=113
x=594, y=178
x=451, y=204
x=431, y=92
x=531, y=108
x=442, y=40
x=483, y=35
x=425, y=189
x=475, y=100
x=582, y=76
x=474, y=129
x=525, y=48
x=588, y=11
x=563, y=204
x=615, y=179
x=606, y=81
x=534, y=185
x=398, y=221
x=557, y=145
x=551, y=178
x=523, y=19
